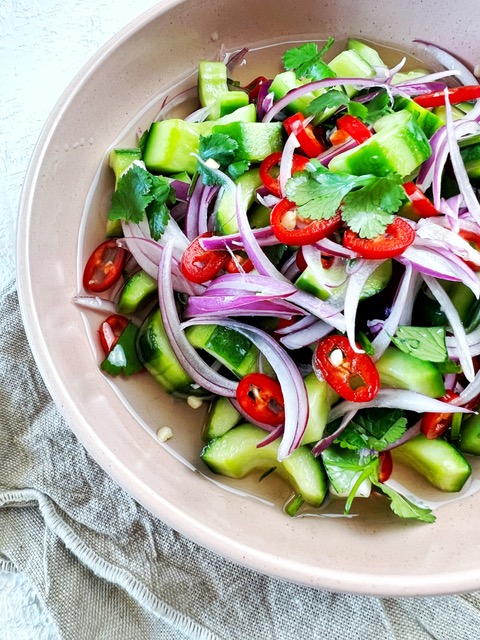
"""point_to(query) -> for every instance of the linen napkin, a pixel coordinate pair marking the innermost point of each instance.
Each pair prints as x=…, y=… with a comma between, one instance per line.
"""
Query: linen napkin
x=82, y=560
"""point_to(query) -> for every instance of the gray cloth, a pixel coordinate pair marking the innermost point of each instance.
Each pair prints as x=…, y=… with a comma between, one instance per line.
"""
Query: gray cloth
x=101, y=567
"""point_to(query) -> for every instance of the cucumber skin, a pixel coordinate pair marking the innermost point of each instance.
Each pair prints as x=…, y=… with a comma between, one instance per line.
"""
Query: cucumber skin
x=222, y=417
x=469, y=441
x=436, y=460
x=136, y=291
x=235, y=455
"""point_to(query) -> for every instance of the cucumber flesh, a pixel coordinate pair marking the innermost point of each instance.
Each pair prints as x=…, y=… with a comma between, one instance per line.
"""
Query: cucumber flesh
x=320, y=399
x=369, y=54
x=469, y=441
x=221, y=417
x=436, y=460
x=236, y=454
x=157, y=356
x=226, y=220
x=401, y=370
x=136, y=292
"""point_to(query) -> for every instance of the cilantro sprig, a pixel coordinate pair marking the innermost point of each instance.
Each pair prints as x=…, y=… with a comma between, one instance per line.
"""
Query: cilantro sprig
x=307, y=63
x=138, y=194
x=367, y=203
x=222, y=149
x=369, y=112
x=348, y=469
x=425, y=343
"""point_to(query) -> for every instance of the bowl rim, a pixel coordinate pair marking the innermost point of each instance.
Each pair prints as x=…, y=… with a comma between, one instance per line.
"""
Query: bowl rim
x=200, y=532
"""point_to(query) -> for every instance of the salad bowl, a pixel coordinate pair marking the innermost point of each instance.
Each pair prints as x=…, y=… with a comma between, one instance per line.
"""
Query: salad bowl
x=151, y=62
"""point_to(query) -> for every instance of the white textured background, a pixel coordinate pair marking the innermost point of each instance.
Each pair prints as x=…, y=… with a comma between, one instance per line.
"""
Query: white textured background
x=43, y=44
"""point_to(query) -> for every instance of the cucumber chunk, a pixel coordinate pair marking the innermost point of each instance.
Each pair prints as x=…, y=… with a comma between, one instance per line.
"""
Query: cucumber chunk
x=436, y=460
x=399, y=145
x=403, y=371
x=221, y=417
x=236, y=454
x=320, y=399
x=256, y=140
x=248, y=183
x=158, y=358
x=469, y=441
x=136, y=292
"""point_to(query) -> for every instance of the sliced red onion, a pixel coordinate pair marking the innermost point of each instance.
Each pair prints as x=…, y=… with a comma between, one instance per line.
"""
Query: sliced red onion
x=200, y=115
x=355, y=286
x=448, y=61
x=398, y=399
x=428, y=259
x=459, y=246
x=265, y=285
x=289, y=377
x=423, y=84
x=286, y=161
x=470, y=392
x=178, y=211
x=264, y=99
x=218, y=306
x=181, y=189
x=334, y=249
x=327, y=83
x=458, y=166
x=307, y=336
x=268, y=200
x=290, y=268
x=262, y=425
x=189, y=359
x=95, y=303
x=234, y=60
x=323, y=310
x=326, y=442
x=190, y=224
x=404, y=293
x=455, y=323
x=300, y=324
x=336, y=150
x=264, y=237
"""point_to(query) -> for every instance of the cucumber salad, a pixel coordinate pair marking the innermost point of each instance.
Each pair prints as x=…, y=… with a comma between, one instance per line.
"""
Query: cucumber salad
x=303, y=253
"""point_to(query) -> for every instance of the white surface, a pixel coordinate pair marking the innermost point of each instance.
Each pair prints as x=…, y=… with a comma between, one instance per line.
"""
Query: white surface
x=43, y=44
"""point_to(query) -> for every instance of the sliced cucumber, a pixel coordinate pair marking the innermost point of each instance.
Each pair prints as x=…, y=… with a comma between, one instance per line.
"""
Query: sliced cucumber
x=436, y=460
x=320, y=399
x=369, y=54
x=136, y=292
x=400, y=370
x=158, y=358
x=221, y=417
x=236, y=454
x=226, y=220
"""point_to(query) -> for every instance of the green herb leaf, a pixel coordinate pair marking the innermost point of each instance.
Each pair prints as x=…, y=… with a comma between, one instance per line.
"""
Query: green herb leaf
x=357, y=109
x=331, y=99
x=403, y=507
x=449, y=366
x=219, y=147
x=374, y=429
x=425, y=343
x=236, y=169
x=369, y=210
x=158, y=216
x=377, y=107
x=318, y=194
x=132, y=195
x=307, y=62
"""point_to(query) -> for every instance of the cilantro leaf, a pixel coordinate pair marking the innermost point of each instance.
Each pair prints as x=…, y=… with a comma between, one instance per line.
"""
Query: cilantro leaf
x=218, y=146
x=404, y=508
x=131, y=196
x=331, y=99
x=158, y=216
x=369, y=210
x=307, y=62
x=377, y=107
x=342, y=468
x=374, y=429
x=358, y=110
x=425, y=343
x=236, y=169
x=318, y=194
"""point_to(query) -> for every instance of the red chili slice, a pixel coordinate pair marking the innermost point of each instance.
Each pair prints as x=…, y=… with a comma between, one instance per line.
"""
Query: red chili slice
x=434, y=425
x=305, y=134
x=397, y=237
x=104, y=267
x=352, y=375
x=246, y=264
x=272, y=182
x=386, y=466
x=254, y=87
x=455, y=95
x=199, y=265
x=354, y=127
x=261, y=397
x=313, y=230
x=110, y=331
x=420, y=203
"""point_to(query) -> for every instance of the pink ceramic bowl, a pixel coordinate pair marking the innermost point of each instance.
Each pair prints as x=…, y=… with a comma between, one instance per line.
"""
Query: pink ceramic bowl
x=60, y=223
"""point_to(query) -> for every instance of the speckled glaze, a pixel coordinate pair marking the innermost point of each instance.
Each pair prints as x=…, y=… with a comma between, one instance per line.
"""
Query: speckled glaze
x=370, y=554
